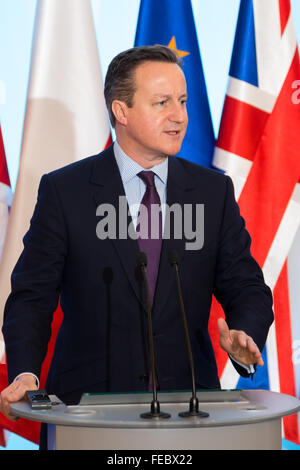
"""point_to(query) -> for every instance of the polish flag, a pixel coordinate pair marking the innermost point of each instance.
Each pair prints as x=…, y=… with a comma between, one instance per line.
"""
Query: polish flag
x=5, y=194
x=5, y=203
x=66, y=120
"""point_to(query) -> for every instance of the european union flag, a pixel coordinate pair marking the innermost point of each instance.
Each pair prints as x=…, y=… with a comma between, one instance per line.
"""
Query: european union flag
x=171, y=23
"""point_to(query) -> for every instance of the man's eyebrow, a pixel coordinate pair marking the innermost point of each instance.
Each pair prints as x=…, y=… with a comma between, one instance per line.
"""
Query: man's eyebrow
x=162, y=95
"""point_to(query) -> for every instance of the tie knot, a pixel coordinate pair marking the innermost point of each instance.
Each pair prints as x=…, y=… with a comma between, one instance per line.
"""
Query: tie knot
x=147, y=177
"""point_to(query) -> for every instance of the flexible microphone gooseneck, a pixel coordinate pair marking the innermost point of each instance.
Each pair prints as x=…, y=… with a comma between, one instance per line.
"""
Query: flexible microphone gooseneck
x=194, y=402
x=155, y=406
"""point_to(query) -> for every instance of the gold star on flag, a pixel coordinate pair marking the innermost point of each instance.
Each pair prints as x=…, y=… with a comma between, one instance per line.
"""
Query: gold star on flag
x=172, y=45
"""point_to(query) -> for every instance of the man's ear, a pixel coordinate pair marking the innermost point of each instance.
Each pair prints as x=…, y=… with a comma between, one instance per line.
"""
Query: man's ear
x=119, y=108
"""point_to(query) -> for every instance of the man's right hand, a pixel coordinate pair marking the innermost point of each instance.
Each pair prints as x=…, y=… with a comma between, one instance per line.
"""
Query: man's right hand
x=15, y=392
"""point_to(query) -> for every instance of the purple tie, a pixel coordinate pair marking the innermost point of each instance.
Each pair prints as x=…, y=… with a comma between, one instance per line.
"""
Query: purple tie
x=150, y=240
x=150, y=229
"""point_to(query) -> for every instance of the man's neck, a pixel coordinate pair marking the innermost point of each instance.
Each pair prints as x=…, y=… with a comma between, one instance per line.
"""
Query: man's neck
x=147, y=161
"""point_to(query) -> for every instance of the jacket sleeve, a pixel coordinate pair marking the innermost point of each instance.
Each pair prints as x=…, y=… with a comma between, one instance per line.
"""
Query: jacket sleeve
x=35, y=285
x=240, y=287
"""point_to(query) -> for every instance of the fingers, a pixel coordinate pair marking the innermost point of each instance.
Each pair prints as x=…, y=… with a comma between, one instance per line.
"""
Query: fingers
x=254, y=350
x=239, y=344
x=8, y=396
x=246, y=349
x=12, y=394
x=250, y=348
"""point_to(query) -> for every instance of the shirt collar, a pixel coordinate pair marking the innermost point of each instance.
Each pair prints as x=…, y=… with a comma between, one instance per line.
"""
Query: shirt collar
x=129, y=168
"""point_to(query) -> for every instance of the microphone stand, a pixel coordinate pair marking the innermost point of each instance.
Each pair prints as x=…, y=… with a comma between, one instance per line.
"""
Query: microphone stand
x=154, y=412
x=194, y=402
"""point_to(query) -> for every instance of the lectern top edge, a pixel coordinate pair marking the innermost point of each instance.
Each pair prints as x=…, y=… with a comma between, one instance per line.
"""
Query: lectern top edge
x=204, y=396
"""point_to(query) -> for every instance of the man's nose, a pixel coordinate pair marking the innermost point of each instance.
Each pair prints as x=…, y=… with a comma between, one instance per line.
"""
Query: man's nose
x=178, y=113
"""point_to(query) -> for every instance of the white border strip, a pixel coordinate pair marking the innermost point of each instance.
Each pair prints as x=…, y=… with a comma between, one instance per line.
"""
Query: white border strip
x=235, y=166
x=250, y=94
x=274, y=52
x=283, y=239
x=230, y=377
x=5, y=194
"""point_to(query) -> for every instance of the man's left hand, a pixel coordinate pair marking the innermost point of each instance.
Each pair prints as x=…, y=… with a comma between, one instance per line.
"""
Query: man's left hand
x=239, y=345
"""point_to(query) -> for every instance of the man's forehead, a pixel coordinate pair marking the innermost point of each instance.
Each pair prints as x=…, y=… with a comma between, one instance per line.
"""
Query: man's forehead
x=159, y=74
x=157, y=66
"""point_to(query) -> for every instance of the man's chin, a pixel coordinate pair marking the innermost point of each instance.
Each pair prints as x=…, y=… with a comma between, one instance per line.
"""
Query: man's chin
x=174, y=151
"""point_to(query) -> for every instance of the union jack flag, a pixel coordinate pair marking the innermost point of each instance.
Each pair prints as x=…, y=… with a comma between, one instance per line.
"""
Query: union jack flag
x=258, y=146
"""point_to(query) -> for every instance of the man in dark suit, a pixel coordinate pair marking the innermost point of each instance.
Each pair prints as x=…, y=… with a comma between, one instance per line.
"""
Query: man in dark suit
x=74, y=251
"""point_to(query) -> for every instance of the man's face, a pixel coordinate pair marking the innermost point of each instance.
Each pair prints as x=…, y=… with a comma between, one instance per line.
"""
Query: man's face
x=156, y=123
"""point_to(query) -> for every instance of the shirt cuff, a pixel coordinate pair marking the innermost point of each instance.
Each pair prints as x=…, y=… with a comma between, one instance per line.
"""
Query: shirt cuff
x=249, y=368
x=29, y=373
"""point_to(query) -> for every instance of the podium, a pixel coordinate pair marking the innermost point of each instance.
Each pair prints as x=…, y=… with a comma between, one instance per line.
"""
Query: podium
x=238, y=419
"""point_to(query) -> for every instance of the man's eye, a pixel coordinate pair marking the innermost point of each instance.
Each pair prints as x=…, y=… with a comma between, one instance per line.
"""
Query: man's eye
x=161, y=103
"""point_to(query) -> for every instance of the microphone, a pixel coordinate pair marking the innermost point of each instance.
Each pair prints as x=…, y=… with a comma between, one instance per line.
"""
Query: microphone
x=155, y=405
x=194, y=402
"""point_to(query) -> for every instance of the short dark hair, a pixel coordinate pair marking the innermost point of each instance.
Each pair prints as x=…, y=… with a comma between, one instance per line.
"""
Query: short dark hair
x=120, y=80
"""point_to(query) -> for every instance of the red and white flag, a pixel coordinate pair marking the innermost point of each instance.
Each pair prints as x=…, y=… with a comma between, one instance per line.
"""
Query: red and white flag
x=5, y=203
x=258, y=146
x=66, y=120
x=5, y=194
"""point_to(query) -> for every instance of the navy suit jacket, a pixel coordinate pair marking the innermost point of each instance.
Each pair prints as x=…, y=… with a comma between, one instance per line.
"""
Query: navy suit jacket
x=102, y=344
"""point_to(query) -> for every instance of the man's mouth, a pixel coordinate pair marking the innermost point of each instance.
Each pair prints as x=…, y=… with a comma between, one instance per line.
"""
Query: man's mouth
x=175, y=132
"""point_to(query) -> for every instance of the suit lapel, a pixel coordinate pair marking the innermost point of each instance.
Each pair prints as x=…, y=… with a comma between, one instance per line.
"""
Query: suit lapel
x=177, y=185
x=108, y=186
